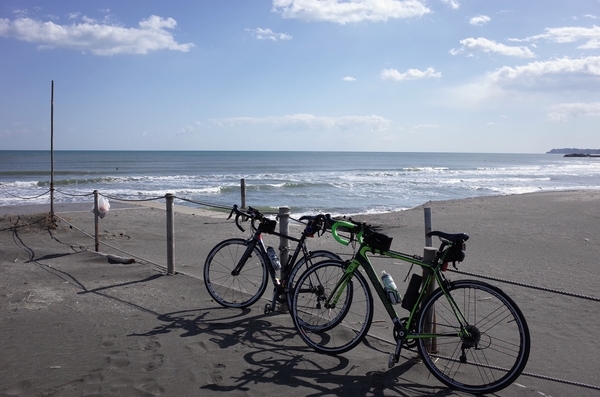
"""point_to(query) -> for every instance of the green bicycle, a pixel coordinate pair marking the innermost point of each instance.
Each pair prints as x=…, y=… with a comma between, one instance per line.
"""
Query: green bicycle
x=470, y=335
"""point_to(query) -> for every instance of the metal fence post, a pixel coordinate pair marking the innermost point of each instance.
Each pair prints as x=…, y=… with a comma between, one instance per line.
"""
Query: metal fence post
x=170, y=234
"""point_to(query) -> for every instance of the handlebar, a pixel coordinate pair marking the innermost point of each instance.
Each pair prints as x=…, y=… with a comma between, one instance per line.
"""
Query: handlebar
x=358, y=228
x=251, y=213
x=316, y=224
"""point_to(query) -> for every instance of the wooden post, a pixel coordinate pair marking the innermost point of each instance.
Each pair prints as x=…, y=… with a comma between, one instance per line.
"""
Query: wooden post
x=284, y=228
x=284, y=248
x=243, y=191
x=429, y=256
x=170, y=234
x=96, y=239
x=431, y=344
x=427, y=213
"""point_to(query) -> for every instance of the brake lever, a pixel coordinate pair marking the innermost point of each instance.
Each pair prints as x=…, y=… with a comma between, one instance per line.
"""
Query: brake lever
x=233, y=209
x=237, y=223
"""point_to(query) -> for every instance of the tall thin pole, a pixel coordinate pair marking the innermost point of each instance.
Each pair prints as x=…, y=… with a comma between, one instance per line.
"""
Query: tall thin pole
x=52, y=153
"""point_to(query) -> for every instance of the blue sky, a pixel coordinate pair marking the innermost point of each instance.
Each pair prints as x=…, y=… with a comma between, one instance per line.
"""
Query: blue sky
x=366, y=75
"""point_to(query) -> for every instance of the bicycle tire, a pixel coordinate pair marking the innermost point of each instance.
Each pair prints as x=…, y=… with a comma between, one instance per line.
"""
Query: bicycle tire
x=236, y=291
x=335, y=330
x=496, y=350
x=304, y=264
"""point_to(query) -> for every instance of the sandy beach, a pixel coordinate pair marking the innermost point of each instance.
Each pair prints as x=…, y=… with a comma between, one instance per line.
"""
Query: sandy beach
x=75, y=323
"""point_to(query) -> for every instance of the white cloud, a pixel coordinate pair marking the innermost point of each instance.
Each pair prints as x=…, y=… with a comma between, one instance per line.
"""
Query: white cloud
x=268, y=34
x=308, y=121
x=480, y=44
x=590, y=16
x=98, y=38
x=349, y=78
x=562, y=73
x=455, y=5
x=566, y=111
x=410, y=74
x=342, y=12
x=551, y=79
x=569, y=35
x=479, y=20
x=425, y=126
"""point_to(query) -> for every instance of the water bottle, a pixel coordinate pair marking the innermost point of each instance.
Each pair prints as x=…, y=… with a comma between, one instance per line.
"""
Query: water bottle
x=390, y=288
x=274, y=259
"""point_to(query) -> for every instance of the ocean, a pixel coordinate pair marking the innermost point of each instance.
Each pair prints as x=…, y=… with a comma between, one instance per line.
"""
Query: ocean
x=339, y=183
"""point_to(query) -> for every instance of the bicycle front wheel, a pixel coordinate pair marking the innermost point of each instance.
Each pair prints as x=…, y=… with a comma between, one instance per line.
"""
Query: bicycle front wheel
x=337, y=329
x=233, y=289
x=484, y=354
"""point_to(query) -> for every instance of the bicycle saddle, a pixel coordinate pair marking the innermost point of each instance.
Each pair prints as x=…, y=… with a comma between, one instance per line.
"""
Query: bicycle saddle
x=450, y=236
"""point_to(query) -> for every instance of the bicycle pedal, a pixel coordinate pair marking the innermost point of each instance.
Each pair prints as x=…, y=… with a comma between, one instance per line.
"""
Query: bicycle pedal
x=392, y=360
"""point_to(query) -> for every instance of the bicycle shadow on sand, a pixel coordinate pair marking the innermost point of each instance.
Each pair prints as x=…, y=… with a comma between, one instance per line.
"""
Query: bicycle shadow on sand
x=276, y=355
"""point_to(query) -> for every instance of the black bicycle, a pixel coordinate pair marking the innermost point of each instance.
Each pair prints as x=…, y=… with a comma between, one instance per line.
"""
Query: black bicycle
x=237, y=270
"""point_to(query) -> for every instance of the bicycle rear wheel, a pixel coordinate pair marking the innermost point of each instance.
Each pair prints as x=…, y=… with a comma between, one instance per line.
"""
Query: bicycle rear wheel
x=302, y=265
x=337, y=329
x=235, y=290
x=485, y=355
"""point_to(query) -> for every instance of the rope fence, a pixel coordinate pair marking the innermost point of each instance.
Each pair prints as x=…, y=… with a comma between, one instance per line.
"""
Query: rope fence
x=228, y=207
x=284, y=217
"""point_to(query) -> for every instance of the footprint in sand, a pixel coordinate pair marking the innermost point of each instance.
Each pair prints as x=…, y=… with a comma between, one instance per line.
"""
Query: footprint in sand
x=150, y=345
x=155, y=362
x=94, y=377
x=118, y=359
x=215, y=374
x=200, y=348
x=109, y=340
x=149, y=385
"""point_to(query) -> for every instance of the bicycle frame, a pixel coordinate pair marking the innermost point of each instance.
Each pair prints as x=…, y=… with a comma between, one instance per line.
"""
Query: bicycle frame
x=281, y=284
x=256, y=239
x=432, y=270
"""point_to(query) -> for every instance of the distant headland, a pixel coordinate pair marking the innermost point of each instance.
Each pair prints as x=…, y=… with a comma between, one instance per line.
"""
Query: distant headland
x=571, y=152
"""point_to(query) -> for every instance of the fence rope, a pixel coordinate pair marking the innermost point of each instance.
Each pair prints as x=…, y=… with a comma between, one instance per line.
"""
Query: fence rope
x=204, y=203
x=111, y=246
x=73, y=194
x=23, y=198
x=131, y=200
x=555, y=291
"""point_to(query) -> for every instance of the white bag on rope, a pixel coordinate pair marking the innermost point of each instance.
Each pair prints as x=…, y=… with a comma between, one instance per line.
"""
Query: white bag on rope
x=103, y=206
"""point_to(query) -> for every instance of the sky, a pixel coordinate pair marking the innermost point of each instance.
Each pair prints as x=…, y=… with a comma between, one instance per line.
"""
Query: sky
x=478, y=76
